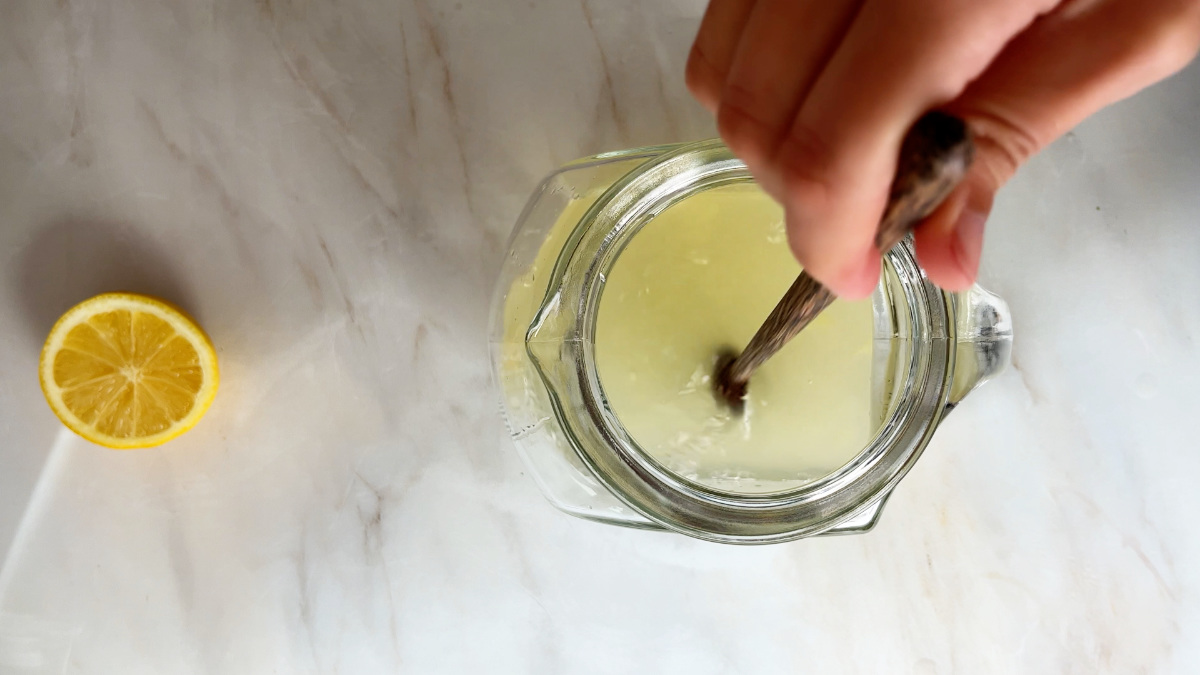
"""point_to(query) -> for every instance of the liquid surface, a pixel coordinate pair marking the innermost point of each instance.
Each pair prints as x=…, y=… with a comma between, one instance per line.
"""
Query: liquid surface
x=700, y=277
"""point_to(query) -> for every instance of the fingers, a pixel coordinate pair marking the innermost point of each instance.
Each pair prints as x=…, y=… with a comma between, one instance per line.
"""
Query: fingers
x=899, y=59
x=819, y=120
x=1062, y=69
x=950, y=241
x=712, y=52
x=786, y=43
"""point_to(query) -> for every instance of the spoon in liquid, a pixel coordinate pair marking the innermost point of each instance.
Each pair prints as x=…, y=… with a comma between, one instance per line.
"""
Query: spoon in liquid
x=934, y=158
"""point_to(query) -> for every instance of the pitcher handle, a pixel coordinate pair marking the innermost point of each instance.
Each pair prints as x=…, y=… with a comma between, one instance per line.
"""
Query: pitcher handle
x=983, y=341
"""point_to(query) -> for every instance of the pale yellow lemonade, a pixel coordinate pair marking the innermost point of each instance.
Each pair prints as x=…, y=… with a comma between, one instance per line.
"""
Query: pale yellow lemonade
x=700, y=277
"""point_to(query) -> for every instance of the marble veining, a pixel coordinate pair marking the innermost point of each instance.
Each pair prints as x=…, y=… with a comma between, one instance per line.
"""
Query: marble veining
x=328, y=186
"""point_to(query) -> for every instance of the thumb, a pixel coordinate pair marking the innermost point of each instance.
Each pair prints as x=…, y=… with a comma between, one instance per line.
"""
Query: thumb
x=1064, y=67
x=949, y=242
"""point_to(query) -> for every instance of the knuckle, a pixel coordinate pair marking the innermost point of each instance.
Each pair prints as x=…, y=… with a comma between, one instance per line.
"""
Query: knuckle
x=1005, y=144
x=742, y=128
x=804, y=159
x=702, y=77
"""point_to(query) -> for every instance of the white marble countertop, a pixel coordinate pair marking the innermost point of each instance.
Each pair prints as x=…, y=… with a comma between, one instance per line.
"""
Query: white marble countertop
x=327, y=186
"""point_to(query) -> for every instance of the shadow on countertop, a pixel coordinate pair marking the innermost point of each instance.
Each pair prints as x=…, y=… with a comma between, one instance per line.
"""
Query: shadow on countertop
x=73, y=259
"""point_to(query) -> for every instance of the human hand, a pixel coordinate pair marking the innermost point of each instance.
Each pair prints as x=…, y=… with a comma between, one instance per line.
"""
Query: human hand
x=816, y=95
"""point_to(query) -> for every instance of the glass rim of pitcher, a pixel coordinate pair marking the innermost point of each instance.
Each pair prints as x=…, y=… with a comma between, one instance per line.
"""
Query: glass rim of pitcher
x=568, y=315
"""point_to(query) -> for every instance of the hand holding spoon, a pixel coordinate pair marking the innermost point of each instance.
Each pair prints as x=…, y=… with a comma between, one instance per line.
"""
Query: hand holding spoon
x=934, y=158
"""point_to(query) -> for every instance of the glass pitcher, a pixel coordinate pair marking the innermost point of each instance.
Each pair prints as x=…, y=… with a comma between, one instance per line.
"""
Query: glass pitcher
x=938, y=346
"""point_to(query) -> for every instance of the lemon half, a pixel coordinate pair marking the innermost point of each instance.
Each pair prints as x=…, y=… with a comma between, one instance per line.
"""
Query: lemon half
x=128, y=371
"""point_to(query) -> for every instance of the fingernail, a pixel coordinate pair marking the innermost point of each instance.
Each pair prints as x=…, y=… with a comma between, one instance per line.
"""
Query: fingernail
x=968, y=241
x=868, y=275
x=858, y=280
